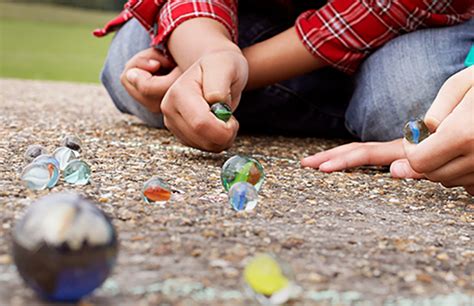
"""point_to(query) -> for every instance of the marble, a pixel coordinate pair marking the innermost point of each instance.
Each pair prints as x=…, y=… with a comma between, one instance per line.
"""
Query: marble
x=34, y=151
x=222, y=111
x=37, y=176
x=243, y=196
x=415, y=131
x=77, y=172
x=269, y=280
x=156, y=191
x=53, y=166
x=72, y=142
x=64, y=247
x=242, y=169
x=64, y=155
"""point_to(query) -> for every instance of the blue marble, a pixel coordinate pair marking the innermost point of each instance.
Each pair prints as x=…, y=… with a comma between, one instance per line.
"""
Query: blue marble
x=243, y=196
x=64, y=247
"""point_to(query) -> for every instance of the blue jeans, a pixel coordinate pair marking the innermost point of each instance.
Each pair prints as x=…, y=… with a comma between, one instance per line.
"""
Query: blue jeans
x=396, y=83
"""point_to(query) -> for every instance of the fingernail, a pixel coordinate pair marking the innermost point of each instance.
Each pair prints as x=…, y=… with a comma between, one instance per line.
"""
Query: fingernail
x=132, y=75
x=400, y=170
x=153, y=62
x=325, y=166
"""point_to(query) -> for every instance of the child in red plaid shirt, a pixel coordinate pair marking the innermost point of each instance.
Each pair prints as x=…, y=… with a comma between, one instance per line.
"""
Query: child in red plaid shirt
x=335, y=68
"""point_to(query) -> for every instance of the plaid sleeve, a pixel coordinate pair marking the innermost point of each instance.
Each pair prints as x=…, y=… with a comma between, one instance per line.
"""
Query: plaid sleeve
x=175, y=12
x=343, y=32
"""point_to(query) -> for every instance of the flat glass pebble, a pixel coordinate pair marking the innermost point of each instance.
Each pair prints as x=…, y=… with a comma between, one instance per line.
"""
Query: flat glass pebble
x=243, y=196
x=155, y=191
x=269, y=280
x=416, y=131
x=242, y=169
x=72, y=142
x=77, y=172
x=53, y=166
x=64, y=155
x=34, y=151
x=222, y=111
x=37, y=176
x=64, y=247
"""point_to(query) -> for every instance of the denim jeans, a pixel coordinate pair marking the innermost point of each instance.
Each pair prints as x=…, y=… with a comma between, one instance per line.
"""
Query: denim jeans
x=394, y=84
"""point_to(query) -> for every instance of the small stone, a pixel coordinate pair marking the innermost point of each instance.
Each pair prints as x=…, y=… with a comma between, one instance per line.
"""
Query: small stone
x=416, y=131
x=77, y=172
x=33, y=151
x=242, y=169
x=425, y=278
x=155, y=191
x=442, y=256
x=72, y=142
x=293, y=242
x=64, y=155
x=243, y=196
x=222, y=111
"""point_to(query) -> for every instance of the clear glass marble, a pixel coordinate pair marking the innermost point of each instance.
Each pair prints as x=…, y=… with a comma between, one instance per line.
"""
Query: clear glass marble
x=34, y=151
x=64, y=155
x=243, y=196
x=77, y=172
x=53, y=166
x=37, y=176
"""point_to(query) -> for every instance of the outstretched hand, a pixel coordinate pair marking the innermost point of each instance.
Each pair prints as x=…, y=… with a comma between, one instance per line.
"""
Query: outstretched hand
x=446, y=156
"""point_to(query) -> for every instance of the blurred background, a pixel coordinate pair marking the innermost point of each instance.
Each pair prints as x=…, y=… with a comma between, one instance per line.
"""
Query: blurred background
x=52, y=39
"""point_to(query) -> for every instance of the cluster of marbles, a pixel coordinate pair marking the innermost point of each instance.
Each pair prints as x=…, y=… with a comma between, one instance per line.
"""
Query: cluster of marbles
x=156, y=191
x=415, y=131
x=43, y=170
x=64, y=247
x=269, y=280
x=222, y=111
x=242, y=177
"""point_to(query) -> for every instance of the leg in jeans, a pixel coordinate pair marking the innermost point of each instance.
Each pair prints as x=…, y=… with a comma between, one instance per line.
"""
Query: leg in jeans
x=129, y=40
x=400, y=81
x=313, y=104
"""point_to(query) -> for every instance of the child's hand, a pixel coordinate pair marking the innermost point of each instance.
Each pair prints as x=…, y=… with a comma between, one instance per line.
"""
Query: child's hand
x=141, y=82
x=447, y=155
x=215, y=77
x=357, y=154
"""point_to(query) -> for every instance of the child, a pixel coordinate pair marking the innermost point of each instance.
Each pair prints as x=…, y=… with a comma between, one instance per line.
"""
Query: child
x=292, y=70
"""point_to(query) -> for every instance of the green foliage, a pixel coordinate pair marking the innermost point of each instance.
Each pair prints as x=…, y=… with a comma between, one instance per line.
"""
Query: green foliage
x=50, y=42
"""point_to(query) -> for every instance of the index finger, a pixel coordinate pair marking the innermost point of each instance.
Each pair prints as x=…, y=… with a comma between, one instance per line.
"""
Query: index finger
x=449, y=96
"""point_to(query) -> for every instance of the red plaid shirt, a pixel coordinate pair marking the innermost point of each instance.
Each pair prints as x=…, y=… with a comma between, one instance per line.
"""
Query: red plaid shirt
x=342, y=33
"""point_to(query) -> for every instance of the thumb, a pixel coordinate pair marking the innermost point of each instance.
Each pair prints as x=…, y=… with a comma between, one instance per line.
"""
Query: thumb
x=402, y=169
x=135, y=75
x=216, y=83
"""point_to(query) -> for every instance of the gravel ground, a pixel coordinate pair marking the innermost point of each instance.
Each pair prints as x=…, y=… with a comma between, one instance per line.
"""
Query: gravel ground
x=351, y=237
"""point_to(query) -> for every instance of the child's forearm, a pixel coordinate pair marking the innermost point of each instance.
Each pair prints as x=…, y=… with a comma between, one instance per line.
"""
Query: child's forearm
x=279, y=58
x=196, y=38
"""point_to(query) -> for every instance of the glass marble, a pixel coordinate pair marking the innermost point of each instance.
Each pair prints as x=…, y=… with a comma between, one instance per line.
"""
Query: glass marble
x=64, y=247
x=222, y=111
x=77, y=172
x=53, y=166
x=242, y=169
x=34, y=151
x=243, y=196
x=269, y=280
x=64, y=155
x=155, y=191
x=415, y=131
x=37, y=176
x=72, y=142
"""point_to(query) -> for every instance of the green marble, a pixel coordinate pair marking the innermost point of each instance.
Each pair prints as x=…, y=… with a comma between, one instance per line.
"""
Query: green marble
x=77, y=172
x=222, y=111
x=242, y=169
